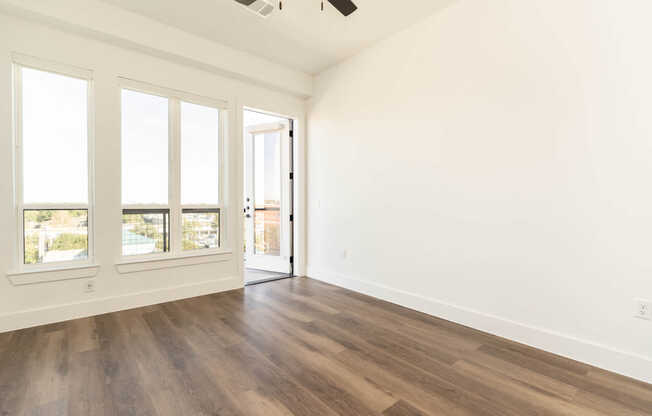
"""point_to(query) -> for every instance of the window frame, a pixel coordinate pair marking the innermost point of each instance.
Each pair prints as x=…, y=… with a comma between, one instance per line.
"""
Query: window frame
x=175, y=97
x=19, y=62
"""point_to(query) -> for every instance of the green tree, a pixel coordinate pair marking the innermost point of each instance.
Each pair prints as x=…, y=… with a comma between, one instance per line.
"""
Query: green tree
x=31, y=249
x=69, y=242
x=40, y=216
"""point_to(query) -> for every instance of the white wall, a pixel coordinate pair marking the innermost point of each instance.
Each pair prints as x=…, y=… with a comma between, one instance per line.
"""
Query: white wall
x=492, y=165
x=26, y=305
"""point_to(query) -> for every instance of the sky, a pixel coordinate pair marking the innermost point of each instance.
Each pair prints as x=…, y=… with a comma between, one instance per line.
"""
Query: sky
x=55, y=138
x=144, y=149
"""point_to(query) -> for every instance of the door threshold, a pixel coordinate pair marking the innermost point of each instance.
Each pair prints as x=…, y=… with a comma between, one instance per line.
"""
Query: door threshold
x=269, y=279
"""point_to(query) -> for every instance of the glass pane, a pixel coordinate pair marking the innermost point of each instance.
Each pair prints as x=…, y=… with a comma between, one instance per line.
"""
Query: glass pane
x=201, y=229
x=267, y=170
x=145, y=231
x=144, y=148
x=267, y=226
x=199, y=154
x=267, y=193
x=55, y=235
x=55, y=138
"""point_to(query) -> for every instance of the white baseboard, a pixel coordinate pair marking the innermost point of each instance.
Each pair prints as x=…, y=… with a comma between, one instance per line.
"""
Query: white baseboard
x=602, y=356
x=65, y=312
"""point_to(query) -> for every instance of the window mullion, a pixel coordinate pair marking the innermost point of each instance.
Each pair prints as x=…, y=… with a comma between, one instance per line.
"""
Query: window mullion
x=223, y=125
x=46, y=206
x=145, y=207
x=175, y=176
x=18, y=162
x=90, y=150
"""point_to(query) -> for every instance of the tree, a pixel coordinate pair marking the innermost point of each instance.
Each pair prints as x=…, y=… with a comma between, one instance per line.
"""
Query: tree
x=39, y=216
x=31, y=249
x=69, y=242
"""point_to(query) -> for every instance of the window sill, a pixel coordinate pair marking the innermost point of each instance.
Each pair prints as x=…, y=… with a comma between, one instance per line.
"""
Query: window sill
x=127, y=265
x=53, y=274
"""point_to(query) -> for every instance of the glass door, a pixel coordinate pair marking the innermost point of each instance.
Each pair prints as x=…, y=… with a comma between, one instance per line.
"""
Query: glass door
x=267, y=197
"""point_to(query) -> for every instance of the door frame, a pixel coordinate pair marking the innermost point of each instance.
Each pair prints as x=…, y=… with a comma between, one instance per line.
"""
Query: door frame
x=296, y=114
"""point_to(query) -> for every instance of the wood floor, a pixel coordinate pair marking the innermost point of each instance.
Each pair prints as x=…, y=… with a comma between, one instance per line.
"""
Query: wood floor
x=293, y=347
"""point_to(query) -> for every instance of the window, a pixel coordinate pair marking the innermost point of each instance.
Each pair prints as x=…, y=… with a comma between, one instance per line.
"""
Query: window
x=171, y=173
x=200, y=176
x=52, y=141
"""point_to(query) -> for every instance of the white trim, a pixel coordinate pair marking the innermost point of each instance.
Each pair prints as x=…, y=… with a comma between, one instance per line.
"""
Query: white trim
x=602, y=356
x=201, y=206
x=171, y=93
x=237, y=166
x=52, y=274
x=90, y=148
x=266, y=127
x=222, y=135
x=49, y=205
x=17, y=105
x=174, y=175
x=41, y=316
x=145, y=206
x=158, y=263
x=51, y=66
x=300, y=206
x=224, y=172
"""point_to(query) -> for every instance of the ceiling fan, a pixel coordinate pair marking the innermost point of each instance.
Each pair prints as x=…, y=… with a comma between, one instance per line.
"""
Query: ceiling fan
x=346, y=7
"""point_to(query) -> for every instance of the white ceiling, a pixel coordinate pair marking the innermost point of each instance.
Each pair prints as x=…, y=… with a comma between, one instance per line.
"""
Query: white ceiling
x=300, y=36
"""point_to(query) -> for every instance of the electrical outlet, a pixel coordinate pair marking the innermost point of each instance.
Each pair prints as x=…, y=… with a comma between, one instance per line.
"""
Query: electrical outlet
x=89, y=286
x=644, y=309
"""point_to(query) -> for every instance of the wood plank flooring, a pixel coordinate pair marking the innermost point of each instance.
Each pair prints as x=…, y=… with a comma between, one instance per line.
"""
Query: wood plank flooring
x=294, y=347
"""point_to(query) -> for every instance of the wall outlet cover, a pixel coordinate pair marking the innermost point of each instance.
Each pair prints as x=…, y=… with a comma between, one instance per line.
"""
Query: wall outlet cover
x=89, y=286
x=644, y=309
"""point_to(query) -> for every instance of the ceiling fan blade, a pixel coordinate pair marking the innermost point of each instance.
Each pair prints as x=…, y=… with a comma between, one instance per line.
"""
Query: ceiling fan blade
x=346, y=7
